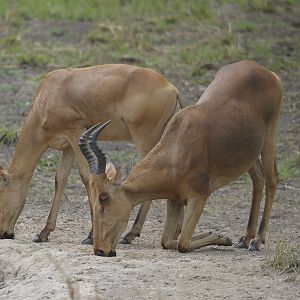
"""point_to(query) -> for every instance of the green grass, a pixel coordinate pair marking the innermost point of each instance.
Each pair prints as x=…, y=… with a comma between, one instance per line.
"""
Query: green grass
x=290, y=167
x=111, y=29
x=121, y=156
x=245, y=26
x=8, y=136
x=31, y=58
x=264, y=6
x=121, y=32
x=158, y=34
x=49, y=161
x=286, y=257
x=105, y=9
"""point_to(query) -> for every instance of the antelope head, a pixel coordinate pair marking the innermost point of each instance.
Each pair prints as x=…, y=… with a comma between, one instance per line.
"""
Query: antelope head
x=110, y=206
x=6, y=213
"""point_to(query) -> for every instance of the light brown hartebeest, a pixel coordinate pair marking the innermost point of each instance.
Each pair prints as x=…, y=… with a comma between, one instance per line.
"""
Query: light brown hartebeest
x=139, y=101
x=229, y=131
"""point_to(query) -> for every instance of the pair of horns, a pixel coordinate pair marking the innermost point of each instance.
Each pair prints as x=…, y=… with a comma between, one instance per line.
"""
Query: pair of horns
x=89, y=148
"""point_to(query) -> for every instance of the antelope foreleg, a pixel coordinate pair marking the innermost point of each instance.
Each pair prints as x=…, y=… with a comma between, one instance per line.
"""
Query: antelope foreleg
x=61, y=178
x=173, y=224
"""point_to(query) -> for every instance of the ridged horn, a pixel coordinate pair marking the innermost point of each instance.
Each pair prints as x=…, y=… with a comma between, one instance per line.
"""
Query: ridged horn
x=89, y=148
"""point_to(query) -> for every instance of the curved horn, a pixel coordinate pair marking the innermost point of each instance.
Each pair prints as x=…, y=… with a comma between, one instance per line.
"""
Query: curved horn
x=90, y=149
x=85, y=149
x=101, y=164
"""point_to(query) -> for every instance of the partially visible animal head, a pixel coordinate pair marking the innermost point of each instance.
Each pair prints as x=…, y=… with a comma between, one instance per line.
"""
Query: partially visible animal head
x=111, y=209
x=8, y=212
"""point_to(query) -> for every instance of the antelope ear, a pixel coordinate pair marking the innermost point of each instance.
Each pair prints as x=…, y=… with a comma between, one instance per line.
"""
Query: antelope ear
x=123, y=172
x=110, y=171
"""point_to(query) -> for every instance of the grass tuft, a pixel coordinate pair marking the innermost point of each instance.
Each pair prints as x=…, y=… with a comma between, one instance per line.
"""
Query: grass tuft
x=8, y=136
x=266, y=6
x=286, y=257
x=290, y=167
x=244, y=26
x=30, y=58
x=49, y=161
x=123, y=156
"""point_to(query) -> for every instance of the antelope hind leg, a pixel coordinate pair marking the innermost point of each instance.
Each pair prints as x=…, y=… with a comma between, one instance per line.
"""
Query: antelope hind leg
x=173, y=224
x=257, y=176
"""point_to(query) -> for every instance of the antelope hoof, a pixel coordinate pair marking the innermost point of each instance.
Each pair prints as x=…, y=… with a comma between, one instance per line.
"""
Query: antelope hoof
x=7, y=235
x=41, y=238
x=253, y=246
x=111, y=253
x=128, y=238
x=241, y=244
x=88, y=241
x=124, y=241
x=37, y=239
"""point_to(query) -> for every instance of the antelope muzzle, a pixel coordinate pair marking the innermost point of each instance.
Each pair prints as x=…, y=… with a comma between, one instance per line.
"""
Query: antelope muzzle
x=7, y=235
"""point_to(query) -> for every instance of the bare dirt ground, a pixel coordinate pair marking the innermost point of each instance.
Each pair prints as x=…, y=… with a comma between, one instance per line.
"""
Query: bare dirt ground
x=64, y=269
x=144, y=270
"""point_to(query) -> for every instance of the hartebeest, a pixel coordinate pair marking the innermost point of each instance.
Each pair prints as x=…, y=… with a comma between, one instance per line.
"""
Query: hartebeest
x=139, y=101
x=229, y=131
